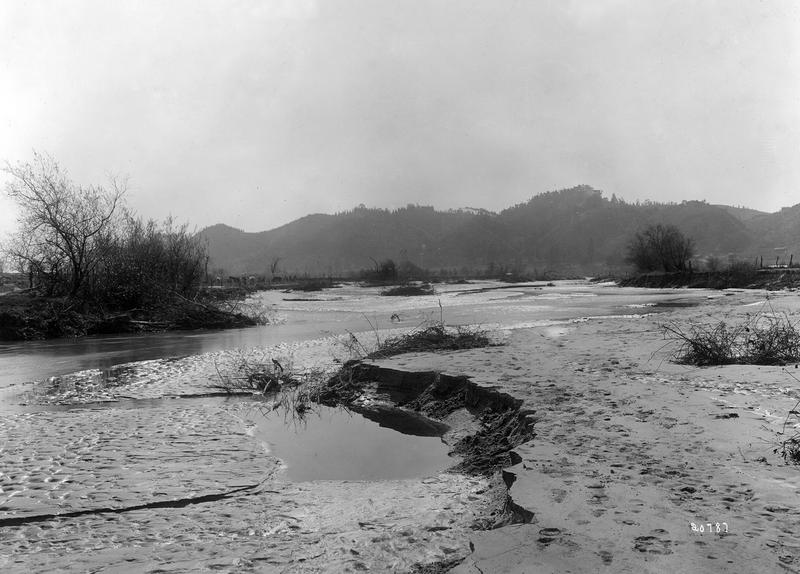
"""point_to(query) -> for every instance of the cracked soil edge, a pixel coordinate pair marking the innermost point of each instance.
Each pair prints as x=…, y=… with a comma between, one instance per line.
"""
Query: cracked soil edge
x=175, y=503
x=504, y=424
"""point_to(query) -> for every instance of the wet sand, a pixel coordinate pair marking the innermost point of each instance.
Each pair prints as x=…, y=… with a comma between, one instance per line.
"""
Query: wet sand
x=632, y=450
x=154, y=476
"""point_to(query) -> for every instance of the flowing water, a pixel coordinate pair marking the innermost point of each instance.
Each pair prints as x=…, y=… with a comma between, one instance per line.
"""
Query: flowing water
x=119, y=436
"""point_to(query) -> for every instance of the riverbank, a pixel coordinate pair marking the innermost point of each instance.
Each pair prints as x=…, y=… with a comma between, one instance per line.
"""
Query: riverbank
x=638, y=464
x=138, y=468
x=26, y=316
x=741, y=277
x=592, y=451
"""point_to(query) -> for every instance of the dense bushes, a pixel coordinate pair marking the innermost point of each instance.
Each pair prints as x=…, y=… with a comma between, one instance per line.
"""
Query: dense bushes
x=660, y=247
x=63, y=227
x=766, y=338
x=80, y=243
x=146, y=263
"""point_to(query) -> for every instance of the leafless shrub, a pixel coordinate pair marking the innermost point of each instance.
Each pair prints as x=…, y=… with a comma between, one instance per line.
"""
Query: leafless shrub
x=252, y=308
x=288, y=391
x=429, y=336
x=248, y=373
x=766, y=338
x=409, y=290
x=436, y=337
x=789, y=448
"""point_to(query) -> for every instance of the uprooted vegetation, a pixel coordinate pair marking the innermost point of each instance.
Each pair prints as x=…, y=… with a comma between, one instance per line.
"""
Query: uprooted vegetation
x=766, y=338
x=265, y=375
x=789, y=448
x=435, y=337
x=427, y=338
x=369, y=388
x=436, y=395
x=294, y=393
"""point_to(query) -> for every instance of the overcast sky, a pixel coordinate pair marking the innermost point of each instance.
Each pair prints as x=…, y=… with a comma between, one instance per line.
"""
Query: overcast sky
x=257, y=112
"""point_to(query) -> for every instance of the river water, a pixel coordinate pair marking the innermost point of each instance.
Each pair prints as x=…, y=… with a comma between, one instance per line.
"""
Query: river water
x=120, y=436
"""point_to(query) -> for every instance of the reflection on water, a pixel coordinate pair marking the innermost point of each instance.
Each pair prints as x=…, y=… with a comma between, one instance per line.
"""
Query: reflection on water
x=37, y=360
x=336, y=493
x=351, y=487
x=332, y=312
x=335, y=444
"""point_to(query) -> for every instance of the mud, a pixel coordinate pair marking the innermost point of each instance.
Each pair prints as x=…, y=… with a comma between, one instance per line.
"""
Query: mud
x=111, y=470
x=635, y=455
x=485, y=449
x=502, y=423
x=178, y=503
x=114, y=438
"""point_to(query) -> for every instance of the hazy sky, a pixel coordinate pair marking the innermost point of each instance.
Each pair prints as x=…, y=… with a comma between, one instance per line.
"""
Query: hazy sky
x=257, y=112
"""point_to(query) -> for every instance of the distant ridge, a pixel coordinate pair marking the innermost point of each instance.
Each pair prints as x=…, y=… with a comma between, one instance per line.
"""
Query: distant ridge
x=576, y=230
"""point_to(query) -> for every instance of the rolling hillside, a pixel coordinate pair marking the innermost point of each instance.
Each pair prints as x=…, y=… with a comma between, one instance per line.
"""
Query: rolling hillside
x=576, y=229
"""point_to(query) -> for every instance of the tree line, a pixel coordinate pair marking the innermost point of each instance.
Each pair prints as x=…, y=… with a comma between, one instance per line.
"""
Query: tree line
x=83, y=243
x=660, y=248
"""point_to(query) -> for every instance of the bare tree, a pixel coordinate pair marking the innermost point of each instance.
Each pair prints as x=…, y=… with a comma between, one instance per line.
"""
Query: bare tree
x=145, y=263
x=660, y=247
x=61, y=224
x=273, y=266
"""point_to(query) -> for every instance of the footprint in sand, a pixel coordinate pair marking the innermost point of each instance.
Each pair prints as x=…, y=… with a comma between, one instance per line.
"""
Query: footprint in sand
x=652, y=545
x=548, y=535
x=606, y=556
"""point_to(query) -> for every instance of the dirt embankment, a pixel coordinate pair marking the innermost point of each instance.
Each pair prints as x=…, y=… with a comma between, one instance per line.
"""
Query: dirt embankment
x=485, y=424
x=25, y=317
x=639, y=464
x=772, y=279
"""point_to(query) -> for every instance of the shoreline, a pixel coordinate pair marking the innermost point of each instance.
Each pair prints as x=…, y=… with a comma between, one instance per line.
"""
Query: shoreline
x=631, y=449
x=626, y=451
x=28, y=317
x=742, y=277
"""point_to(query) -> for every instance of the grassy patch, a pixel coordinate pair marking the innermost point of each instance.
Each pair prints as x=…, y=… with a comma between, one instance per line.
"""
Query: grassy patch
x=766, y=338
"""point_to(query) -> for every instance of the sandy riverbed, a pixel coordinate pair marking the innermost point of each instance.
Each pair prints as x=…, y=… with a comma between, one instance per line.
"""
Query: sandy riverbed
x=192, y=486
x=632, y=449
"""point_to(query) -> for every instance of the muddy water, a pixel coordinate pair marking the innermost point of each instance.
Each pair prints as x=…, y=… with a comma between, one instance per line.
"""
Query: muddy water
x=145, y=480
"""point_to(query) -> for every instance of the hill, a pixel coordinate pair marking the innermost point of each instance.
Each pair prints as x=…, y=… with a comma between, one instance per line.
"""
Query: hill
x=574, y=230
x=777, y=234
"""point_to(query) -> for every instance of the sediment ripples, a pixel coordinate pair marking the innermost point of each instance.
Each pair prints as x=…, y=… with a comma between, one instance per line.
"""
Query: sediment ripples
x=98, y=444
